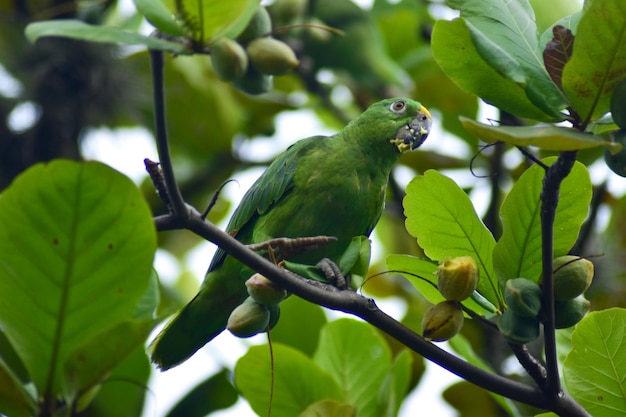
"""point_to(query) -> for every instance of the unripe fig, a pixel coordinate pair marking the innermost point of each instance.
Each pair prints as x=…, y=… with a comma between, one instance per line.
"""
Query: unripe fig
x=617, y=162
x=264, y=291
x=248, y=319
x=568, y=313
x=572, y=276
x=274, y=315
x=517, y=329
x=229, y=59
x=618, y=104
x=523, y=297
x=457, y=278
x=271, y=56
x=253, y=82
x=260, y=25
x=442, y=321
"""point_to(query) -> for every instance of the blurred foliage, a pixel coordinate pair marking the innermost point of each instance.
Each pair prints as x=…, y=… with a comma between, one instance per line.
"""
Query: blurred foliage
x=72, y=86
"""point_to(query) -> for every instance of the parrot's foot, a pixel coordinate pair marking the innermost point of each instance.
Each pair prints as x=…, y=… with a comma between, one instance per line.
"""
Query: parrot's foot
x=283, y=248
x=333, y=274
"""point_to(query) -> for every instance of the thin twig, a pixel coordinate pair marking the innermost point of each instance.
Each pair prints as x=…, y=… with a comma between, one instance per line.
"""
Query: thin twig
x=549, y=200
x=179, y=208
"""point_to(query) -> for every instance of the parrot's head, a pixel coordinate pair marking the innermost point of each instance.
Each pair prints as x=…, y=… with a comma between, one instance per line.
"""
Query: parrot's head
x=412, y=120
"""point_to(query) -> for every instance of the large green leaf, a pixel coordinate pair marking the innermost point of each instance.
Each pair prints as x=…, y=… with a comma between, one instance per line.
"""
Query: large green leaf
x=595, y=369
x=76, y=248
x=206, y=20
x=297, y=381
x=395, y=385
x=215, y=393
x=77, y=29
x=457, y=56
x=359, y=372
x=505, y=36
x=296, y=314
x=551, y=138
x=599, y=59
x=442, y=218
x=518, y=252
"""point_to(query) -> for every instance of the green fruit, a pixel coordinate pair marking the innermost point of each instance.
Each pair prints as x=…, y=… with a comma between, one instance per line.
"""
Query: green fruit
x=248, y=319
x=517, y=329
x=523, y=297
x=457, y=278
x=260, y=25
x=264, y=291
x=568, y=313
x=271, y=56
x=572, y=276
x=618, y=104
x=617, y=162
x=442, y=321
x=274, y=315
x=253, y=82
x=229, y=59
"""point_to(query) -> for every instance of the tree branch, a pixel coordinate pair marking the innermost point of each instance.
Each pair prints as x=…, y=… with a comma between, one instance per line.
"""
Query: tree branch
x=549, y=200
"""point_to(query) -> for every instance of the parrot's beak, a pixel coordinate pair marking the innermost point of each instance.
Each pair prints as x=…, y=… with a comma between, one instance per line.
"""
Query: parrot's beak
x=414, y=133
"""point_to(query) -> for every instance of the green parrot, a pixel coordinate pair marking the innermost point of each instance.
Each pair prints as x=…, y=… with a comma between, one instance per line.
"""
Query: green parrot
x=333, y=186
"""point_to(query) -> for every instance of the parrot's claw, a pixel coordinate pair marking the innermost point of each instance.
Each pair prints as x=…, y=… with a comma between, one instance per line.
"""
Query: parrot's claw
x=333, y=274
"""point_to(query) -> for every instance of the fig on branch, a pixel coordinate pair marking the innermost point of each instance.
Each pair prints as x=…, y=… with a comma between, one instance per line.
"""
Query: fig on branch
x=260, y=25
x=253, y=82
x=523, y=297
x=568, y=313
x=264, y=291
x=248, y=319
x=442, y=321
x=271, y=56
x=457, y=278
x=518, y=329
x=229, y=59
x=572, y=276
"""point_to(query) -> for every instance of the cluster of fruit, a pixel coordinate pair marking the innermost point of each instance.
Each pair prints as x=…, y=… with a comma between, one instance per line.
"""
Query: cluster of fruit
x=260, y=311
x=457, y=280
x=250, y=60
x=520, y=323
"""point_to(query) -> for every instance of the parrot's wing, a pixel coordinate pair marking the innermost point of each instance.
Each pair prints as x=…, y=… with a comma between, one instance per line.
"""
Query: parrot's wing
x=271, y=186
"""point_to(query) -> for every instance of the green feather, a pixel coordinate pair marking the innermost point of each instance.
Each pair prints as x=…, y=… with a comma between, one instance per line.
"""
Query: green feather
x=331, y=186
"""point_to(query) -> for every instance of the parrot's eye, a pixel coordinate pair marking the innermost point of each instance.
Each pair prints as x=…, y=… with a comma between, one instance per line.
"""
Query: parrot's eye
x=398, y=106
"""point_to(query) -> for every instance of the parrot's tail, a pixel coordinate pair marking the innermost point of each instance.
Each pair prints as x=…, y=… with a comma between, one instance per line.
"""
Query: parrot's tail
x=197, y=323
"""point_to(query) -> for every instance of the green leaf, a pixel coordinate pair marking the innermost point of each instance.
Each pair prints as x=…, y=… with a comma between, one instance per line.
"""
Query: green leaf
x=205, y=21
x=359, y=372
x=15, y=399
x=298, y=381
x=599, y=59
x=550, y=138
x=395, y=386
x=297, y=314
x=464, y=349
x=442, y=218
x=77, y=29
x=124, y=392
x=329, y=408
x=76, y=248
x=157, y=14
x=595, y=370
x=455, y=52
x=215, y=393
x=505, y=36
x=518, y=252
x=421, y=273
